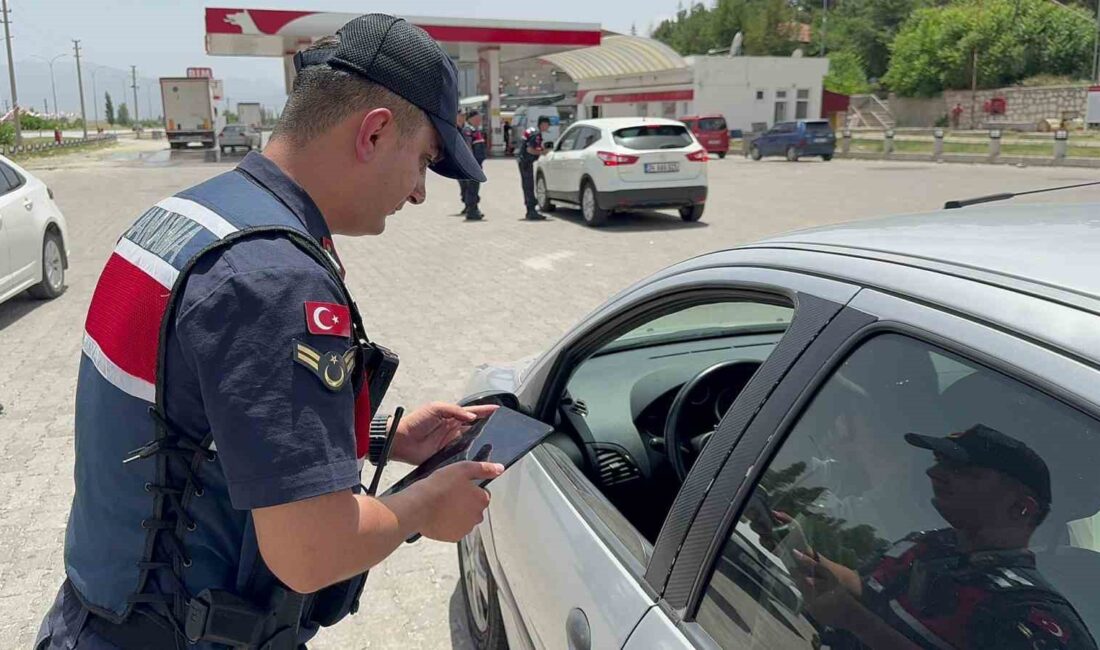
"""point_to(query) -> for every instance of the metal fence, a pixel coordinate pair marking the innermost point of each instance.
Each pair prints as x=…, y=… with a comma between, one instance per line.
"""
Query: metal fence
x=66, y=143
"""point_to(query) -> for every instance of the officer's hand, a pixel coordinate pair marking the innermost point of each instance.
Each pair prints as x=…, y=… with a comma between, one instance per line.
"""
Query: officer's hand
x=429, y=428
x=454, y=500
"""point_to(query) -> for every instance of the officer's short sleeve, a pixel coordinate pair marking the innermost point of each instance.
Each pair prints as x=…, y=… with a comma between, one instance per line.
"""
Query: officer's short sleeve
x=280, y=410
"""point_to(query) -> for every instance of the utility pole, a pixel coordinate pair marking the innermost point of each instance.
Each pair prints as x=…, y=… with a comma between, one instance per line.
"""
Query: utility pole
x=11, y=72
x=133, y=76
x=95, y=99
x=80, y=86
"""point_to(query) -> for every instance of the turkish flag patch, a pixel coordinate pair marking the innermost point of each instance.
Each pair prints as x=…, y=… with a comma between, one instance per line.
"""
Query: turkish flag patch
x=328, y=319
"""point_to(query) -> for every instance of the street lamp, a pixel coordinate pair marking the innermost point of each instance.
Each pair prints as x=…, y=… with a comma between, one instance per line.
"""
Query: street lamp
x=53, y=86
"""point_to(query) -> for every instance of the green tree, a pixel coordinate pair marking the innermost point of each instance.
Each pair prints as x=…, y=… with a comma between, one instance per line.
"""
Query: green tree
x=851, y=546
x=109, y=109
x=846, y=74
x=867, y=28
x=770, y=29
x=1014, y=39
x=124, y=114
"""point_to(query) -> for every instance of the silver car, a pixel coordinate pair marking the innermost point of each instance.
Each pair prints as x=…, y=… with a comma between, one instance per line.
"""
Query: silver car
x=238, y=135
x=884, y=434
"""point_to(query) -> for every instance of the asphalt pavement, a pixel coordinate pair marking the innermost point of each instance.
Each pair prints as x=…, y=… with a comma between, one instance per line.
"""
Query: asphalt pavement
x=446, y=294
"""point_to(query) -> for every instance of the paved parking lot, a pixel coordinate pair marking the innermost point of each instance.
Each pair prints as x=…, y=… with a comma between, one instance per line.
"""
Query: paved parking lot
x=446, y=294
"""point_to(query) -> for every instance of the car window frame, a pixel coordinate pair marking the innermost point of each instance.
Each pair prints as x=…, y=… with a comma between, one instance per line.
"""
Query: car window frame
x=679, y=290
x=573, y=131
x=805, y=385
x=20, y=178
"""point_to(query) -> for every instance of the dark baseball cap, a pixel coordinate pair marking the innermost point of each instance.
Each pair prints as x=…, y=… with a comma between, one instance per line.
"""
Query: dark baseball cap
x=984, y=446
x=402, y=57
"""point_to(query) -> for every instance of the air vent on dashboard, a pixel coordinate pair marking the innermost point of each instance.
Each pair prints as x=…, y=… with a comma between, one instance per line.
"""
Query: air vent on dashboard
x=614, y=467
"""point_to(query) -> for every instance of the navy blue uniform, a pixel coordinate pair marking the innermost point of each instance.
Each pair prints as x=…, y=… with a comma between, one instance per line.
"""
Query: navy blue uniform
x=257, y=326
x=532, y=137
x=471, y=190
x=938, y=597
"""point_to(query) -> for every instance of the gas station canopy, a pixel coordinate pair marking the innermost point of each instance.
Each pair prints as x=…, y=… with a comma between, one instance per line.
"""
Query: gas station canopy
x=478, y=46
x=277, y=33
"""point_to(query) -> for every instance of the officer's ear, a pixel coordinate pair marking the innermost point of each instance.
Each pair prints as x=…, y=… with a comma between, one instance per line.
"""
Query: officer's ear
x=372, y=126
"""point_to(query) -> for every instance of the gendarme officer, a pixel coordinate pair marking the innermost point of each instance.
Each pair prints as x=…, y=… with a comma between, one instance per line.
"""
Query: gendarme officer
x=227, y=389
x=474, y=135
x=527, y=153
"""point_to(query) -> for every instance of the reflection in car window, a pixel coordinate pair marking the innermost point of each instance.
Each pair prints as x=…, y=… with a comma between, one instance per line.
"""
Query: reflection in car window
x=712, y=124
x=717, y=319
x=655, y=136
x=569, y=139
x=11, y=179
x=921, y=501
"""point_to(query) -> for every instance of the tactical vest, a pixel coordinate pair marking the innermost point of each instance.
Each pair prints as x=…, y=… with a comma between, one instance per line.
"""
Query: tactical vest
x=132, y=529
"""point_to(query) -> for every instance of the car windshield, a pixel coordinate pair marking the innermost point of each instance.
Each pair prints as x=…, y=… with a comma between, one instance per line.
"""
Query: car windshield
x=654, y=136
x=818, y=127
x=705, y=321
x=712, y=124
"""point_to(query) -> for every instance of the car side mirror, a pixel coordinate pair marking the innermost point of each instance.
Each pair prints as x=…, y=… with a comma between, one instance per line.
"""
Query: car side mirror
x=498, y=397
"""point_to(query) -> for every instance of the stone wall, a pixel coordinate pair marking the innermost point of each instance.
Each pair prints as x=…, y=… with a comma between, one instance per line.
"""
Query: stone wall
x=917, y=111
x=1023, y=106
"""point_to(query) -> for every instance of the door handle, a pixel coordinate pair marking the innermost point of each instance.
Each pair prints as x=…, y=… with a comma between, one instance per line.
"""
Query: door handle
x=578, y=634
x=28, y=204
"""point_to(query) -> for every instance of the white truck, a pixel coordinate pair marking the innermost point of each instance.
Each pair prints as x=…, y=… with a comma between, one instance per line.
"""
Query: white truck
x=250, y=115
x=189, y=111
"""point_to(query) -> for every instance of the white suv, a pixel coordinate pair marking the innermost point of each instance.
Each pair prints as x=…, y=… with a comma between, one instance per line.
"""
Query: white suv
x=610, y=164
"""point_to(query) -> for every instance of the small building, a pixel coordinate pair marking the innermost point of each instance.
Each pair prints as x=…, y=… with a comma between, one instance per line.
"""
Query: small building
x=634, y=76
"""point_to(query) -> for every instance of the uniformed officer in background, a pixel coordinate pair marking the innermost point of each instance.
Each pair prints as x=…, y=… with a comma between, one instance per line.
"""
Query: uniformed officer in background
x=225, y=361
x=460, y=122
x=527, y=153
x=475, y=137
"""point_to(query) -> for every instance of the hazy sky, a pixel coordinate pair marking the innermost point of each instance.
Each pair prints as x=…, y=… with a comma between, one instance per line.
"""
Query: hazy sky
x=163, y=37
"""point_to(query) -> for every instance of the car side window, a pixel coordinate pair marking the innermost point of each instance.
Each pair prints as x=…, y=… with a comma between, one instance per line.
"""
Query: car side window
x=921, y=500
x=11, y=179
x=569, y=140
x=688, y=365
x=587, y=138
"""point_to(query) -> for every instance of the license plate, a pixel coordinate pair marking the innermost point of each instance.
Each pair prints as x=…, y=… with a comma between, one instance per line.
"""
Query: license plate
x=662, y=167
x=192, y=138
x=821, y=140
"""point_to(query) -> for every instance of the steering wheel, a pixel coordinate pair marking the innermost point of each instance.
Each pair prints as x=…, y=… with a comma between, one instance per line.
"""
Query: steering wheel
x=682, y=448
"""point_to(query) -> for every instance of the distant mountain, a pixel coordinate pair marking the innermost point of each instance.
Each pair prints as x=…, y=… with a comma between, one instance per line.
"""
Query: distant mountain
x=33, y=86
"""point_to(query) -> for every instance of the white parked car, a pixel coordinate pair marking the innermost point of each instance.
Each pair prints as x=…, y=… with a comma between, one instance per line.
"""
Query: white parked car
x=33, y=236
x=611, y=164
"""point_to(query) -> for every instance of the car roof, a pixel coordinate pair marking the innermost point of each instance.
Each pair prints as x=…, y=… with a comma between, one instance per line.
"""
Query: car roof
x=1054, y=245
x=623, y=122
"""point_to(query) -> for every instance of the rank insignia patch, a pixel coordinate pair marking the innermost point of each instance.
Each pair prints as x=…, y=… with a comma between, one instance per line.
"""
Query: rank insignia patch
x=332, y=368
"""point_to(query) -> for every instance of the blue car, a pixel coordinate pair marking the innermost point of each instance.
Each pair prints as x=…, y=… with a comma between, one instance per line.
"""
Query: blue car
x=796, y=139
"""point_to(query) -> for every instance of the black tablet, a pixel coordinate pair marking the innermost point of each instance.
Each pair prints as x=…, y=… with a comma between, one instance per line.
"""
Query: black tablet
x=504, y=437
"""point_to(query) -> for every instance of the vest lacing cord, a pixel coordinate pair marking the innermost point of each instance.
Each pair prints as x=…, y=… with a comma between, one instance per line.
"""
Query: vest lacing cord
x=172, y=514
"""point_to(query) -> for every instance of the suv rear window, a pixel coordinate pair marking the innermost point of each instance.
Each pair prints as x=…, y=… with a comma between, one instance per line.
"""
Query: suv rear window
x=656, y=136
x=712, y=124
x=818, y=127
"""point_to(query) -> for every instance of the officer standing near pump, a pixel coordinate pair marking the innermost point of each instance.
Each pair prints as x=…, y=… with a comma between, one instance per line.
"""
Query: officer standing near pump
x=527, y=153
x=460, y=122
x=475, y=137
x=227, y=389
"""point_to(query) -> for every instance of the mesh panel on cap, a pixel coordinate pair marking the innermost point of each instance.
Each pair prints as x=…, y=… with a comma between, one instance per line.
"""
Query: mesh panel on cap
x=395, y=54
